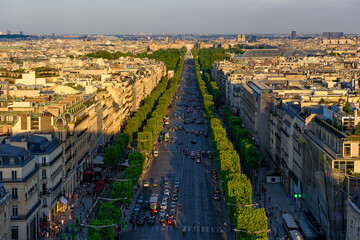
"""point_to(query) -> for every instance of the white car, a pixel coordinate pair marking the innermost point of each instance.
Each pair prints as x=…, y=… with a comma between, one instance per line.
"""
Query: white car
x=163, y=206
x=146, y=183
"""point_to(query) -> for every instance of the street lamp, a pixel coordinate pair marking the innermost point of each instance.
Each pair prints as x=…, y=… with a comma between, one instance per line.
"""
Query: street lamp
x=124, y=180
x=127, y=165
x=237, y=230
x=247, y=205
x=113, y=199
x=277, y=226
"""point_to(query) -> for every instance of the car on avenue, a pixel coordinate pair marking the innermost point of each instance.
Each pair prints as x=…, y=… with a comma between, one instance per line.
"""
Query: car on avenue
x=146, y=184
x=140, y=221
x=155, y=183
x=151, y=220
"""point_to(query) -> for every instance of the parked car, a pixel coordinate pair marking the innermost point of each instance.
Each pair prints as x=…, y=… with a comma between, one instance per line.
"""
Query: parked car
x=137, y=207
x=146, y=184
x=146, y=205
x=216, y=196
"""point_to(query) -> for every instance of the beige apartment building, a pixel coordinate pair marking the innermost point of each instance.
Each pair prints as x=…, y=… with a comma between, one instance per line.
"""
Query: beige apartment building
x=5, y=216
x=47, y=151
x=20, y=179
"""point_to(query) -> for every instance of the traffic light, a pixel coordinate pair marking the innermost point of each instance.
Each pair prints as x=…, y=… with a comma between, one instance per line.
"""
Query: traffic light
x=297, y=195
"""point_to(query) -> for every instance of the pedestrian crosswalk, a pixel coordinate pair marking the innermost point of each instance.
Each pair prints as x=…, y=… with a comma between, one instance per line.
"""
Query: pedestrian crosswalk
x=188, y=228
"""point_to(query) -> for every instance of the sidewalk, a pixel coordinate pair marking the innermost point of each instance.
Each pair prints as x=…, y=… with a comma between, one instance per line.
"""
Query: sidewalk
x=274, y=198
x=76, y=212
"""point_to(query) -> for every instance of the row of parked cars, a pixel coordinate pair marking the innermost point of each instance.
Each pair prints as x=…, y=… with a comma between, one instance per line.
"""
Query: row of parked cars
x=137, y=217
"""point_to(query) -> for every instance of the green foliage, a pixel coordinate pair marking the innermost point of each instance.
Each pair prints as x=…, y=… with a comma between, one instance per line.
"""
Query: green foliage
x=169, y=56
x=122, y=190
x=108, y=55
x=237, y=49
x=94, y=235
x=106, y=233
x=237, y=188
x=240, y=189
x=112, y=155
x=240, y=138
x=111, y=212
x=252, y=220
x=207, y=56
x=357, y=129
x=347, y=109
x=145, y=140
x=136, y=158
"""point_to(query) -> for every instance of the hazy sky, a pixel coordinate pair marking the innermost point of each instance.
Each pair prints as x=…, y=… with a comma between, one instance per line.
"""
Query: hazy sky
x=182, y=16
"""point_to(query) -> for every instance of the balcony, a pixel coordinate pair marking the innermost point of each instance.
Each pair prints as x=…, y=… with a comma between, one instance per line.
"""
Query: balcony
x=44, y=193
x=25, y=217
x=9, y=180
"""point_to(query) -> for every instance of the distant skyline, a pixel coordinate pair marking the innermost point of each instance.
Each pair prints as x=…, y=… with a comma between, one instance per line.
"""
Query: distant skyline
x=179, y=17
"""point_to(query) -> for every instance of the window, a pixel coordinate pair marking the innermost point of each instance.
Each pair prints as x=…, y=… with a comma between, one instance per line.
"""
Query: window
x=15, y=211
x=344, y=166
x=1, y=176
x=14, y=193
x=14, y=233
x=43, y=174
x=13, y=175
x=44, y=160
x=44, y=202
x=347, y=149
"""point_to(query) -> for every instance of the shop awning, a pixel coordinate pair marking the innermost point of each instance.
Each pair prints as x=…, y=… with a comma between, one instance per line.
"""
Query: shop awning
x=63, y=200
x=99, y=160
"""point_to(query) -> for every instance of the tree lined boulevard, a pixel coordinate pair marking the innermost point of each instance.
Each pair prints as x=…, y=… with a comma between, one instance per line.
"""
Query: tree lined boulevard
x=199, y=210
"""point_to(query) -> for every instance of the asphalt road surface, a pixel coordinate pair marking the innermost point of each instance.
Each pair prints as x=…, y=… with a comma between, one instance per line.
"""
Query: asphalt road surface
x=196, y=192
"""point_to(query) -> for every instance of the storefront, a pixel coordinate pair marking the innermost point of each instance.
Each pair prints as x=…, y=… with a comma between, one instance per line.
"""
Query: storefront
x=62, y=204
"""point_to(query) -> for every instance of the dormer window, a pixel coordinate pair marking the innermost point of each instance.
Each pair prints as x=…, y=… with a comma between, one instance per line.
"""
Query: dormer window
x=12, y=161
